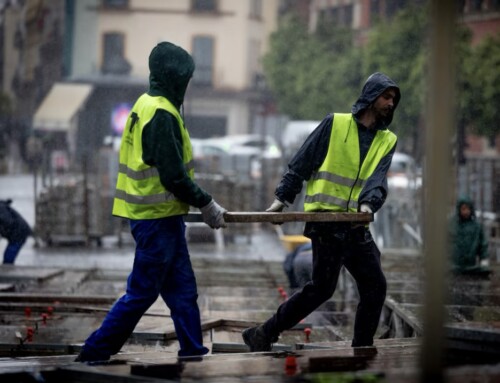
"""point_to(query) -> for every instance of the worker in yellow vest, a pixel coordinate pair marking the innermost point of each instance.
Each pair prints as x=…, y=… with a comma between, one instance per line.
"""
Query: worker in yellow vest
x=155, y=188
x=344, y=161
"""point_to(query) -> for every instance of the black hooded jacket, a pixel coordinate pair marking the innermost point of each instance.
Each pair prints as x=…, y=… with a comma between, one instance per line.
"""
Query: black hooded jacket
x=313, y=152
x=13, y=226
x=171, y=69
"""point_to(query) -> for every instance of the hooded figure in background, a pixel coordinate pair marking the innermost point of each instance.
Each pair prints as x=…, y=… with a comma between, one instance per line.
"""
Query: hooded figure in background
x=154, y=190
x=468, y=242
x=15, y=229
x=345, y=162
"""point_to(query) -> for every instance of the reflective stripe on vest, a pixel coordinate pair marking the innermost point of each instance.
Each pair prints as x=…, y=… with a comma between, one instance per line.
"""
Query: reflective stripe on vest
x=139, y=191
x=337, y=184
x=147, y=173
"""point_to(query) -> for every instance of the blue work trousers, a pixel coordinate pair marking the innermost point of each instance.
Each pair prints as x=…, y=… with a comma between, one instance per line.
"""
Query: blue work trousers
x=161, y=267
x=11, y=252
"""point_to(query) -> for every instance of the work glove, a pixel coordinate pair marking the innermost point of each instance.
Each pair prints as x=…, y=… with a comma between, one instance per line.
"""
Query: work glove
x=276, y=206
x=365, y=208
x=213, y=215
x=484, y=263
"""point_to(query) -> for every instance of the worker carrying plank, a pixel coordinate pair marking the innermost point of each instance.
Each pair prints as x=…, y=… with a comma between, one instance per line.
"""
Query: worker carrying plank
x=345, y=162
x=154, y=190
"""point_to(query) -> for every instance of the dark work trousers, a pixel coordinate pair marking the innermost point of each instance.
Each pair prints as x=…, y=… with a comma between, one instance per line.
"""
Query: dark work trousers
x=11, y=251
x=355, y=250
x=162, y=267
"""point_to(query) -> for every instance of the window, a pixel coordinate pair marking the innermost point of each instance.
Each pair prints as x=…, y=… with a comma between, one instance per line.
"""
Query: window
x=339, y=16
x=256, y=9
x=113, y=55
x=204, y=5
x=476, y=5
x=115, y=3
x=254, y=66
x=375, y=7
x=203, y=55
x=393, y=6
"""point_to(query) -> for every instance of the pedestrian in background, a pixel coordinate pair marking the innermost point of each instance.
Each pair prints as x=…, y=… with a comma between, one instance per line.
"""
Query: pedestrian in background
x=345, y=162
x=469, y=245
x=14, y=228
x=154, y=190
x=297, y=266
x=302, y=265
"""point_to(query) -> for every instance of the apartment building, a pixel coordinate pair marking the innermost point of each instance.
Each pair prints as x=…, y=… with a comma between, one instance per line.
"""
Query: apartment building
x=109, y=42
x=358, y=15
x=482, y=17
x=31, y=48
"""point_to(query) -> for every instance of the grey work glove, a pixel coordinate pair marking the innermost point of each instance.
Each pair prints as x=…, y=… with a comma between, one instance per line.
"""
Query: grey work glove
x=213, y=215
x=276, y=206
x=484, y=263
x=364, y=208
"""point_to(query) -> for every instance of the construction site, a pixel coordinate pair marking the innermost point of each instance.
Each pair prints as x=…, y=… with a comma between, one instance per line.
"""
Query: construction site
x=57, y=294
x=436, y=325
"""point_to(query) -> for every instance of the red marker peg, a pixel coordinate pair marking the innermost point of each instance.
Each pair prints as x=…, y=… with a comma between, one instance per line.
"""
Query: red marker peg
x=44, y=318
x=307, y=331
x=29, y=334
x=290, y=365
x=50, y=310
x=27, y=311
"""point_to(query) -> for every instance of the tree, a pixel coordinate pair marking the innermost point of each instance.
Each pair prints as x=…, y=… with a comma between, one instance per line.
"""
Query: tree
x=312, y=74
x=482, y=95
x=397, y=48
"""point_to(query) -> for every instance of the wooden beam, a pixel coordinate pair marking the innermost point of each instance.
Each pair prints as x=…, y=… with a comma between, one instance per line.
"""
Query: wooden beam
x=294, y=216
x=52, y=298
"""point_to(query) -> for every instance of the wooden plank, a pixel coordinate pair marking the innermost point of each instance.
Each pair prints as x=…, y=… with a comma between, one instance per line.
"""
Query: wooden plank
x=295, y=216
x=52, y=298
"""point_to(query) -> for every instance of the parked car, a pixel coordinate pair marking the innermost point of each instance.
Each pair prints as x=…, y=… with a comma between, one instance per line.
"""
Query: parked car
x=264, y=146
x=403, y=173
x=237, y=155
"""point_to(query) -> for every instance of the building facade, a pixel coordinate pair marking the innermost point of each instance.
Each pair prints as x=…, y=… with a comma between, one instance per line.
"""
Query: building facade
x=31, y=46
x=111, y=41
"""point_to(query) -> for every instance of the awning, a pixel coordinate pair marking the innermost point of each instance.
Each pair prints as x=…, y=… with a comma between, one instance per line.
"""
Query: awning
x=60, y=106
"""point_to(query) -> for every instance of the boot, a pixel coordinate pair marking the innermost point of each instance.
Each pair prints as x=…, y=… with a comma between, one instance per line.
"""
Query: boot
x=257, y=340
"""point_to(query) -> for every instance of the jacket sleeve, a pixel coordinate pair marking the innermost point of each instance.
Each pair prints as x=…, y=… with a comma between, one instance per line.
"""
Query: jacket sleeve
x=308, y=159
x=162, y=148
x=483, y=244
x=376, y=189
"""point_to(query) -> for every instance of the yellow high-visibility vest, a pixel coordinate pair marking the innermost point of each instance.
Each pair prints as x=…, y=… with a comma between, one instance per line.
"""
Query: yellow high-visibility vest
x=338, y=182
x=139, y=191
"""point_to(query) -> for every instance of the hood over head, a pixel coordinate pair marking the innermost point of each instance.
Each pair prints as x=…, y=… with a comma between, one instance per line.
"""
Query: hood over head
x=171, y=68
x=464, y=200
x=374, y=86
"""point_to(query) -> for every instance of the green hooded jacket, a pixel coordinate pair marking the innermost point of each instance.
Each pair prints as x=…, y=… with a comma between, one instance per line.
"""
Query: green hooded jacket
x=468, y=240
x=171, y=69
